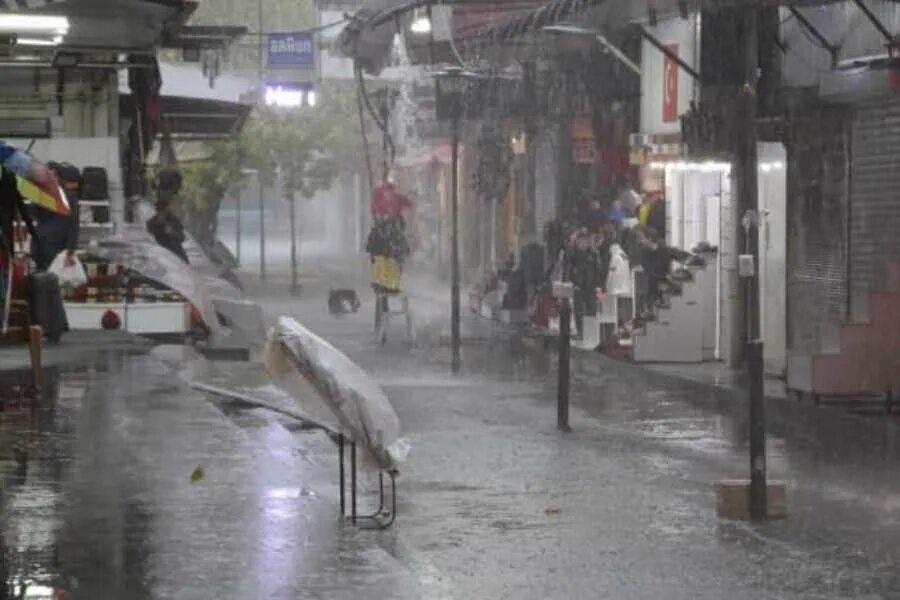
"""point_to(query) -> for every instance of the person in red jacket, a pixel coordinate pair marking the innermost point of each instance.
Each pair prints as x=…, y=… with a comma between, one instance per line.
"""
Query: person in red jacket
x=388, y=201
x=388, y=245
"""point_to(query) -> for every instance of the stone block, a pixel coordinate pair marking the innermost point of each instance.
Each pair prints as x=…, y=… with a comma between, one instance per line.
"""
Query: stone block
x=733, y=499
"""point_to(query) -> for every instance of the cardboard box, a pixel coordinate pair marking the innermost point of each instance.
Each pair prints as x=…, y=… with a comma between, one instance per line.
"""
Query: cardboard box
x=733, y=499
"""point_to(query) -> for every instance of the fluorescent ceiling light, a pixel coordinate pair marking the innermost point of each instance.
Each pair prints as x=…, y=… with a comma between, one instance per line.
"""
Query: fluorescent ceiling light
x=15, y=23
x=311, y=98
x=25, y=41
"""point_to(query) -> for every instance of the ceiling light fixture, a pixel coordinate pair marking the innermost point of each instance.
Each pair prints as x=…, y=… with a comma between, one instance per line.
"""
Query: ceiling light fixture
x=26, y=41
x=46, y=24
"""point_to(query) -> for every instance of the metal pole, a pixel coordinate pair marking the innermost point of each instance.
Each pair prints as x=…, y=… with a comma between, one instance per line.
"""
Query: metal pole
x=758, y=487
x=454, y=242
x=565, y=347
x=748, y=200
x=261, y=65
x=292, y=200
x=237, y=234
x=262, y=232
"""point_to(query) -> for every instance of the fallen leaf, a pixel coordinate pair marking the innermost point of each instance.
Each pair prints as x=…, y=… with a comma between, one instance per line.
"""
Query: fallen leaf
x=197, y=474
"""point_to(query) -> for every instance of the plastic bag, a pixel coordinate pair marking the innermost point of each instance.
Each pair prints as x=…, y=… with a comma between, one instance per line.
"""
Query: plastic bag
x=334, y=391
x=72, y=275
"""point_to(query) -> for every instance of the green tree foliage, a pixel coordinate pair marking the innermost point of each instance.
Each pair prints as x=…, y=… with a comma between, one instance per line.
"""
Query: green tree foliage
x=308, y=145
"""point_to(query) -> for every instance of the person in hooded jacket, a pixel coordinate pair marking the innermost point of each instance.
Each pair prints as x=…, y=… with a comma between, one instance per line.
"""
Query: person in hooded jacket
x=584, y=267
x=58, y=233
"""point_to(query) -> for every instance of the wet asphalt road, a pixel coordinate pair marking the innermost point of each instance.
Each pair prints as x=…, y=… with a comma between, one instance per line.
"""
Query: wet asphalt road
x=98, y=499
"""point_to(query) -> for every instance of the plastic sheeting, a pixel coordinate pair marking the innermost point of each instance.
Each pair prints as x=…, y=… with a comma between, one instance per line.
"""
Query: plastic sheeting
x=334, y=391
x=135, y=249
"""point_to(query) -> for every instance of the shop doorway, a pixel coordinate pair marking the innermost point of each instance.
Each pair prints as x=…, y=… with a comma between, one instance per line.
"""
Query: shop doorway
x=700, y=210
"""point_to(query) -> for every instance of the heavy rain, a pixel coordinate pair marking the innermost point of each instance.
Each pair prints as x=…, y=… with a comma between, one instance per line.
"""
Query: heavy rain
x=449, y=299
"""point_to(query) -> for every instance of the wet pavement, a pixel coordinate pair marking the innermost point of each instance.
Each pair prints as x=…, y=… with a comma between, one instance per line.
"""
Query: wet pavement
x=127, y=484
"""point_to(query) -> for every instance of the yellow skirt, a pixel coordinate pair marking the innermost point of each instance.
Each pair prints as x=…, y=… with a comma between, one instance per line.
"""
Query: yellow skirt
x=385, y=273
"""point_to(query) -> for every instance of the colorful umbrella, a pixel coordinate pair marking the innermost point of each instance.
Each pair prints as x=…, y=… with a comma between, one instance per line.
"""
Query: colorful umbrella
x=50, y=197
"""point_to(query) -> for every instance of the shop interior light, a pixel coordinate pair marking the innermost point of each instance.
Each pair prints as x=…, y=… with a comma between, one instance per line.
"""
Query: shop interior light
x=28, y=41
x=708, y=166
x=286, y=97
x=421, y=22
x=34, y=24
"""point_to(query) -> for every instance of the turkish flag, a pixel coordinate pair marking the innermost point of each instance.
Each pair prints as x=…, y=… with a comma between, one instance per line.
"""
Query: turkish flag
x=670, y=87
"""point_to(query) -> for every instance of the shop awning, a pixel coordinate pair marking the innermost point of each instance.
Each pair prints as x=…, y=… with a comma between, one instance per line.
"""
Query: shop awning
x=192, y=109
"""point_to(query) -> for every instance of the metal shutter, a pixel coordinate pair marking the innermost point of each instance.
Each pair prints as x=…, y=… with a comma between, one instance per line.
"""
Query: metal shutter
x=875, y=198
x=817, y=228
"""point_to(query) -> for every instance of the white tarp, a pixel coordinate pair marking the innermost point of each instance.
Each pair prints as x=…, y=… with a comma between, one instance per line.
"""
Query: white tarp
x=135, y=249
x=334, y=391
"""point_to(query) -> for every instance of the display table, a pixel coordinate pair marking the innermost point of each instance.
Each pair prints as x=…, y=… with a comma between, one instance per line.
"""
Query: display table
x=141, y=305
x=148, y=318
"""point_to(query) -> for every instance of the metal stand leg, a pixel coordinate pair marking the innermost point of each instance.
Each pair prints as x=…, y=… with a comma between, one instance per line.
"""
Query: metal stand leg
x=353, y=482
x=343, y=492
x=381, y=518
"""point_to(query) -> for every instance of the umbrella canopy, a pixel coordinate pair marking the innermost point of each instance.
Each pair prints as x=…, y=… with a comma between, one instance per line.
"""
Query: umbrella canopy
x=50, y=197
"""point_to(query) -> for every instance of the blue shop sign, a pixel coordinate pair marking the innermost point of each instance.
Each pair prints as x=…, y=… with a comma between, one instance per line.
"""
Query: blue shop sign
x=295, y=49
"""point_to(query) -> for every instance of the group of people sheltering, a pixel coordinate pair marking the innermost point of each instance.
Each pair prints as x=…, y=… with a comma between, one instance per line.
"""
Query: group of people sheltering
x=615, y=256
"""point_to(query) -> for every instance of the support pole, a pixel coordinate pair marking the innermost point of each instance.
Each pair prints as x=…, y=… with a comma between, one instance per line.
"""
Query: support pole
x=758, y=484
x=454, y=242
x=262, y=232
x=237, y=233
x=565, y=347
x=292, y=202
x=748, y=235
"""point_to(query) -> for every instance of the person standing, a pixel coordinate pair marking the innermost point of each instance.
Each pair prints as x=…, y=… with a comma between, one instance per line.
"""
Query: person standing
x=584, y=267
x=58, y=233
x=165, y=226
x=656, y=216
x=388, y=244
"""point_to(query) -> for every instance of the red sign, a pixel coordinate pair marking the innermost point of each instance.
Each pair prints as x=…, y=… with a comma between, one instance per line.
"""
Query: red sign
x=670, y=86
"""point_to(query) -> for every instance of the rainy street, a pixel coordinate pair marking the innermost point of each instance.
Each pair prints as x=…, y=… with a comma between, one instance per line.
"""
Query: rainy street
x=449, y=299
x=102, y=497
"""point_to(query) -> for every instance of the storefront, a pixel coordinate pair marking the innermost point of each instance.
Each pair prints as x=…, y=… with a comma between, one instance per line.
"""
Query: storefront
x=701, y=210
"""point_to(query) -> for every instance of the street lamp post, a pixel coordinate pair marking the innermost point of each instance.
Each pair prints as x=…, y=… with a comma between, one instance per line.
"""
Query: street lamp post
x=449, y=87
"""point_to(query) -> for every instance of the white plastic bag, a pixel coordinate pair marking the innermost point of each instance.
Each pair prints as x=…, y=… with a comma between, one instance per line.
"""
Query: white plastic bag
x=72, y=275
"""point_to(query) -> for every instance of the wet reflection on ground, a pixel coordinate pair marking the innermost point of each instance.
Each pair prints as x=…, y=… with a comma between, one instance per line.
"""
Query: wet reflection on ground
x=98, y=498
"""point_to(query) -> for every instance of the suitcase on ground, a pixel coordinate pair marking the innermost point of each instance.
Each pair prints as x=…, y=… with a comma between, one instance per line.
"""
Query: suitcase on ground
x=46, y=304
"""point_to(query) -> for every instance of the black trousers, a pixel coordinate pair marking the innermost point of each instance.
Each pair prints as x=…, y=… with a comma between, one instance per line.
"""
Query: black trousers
x=583, y=303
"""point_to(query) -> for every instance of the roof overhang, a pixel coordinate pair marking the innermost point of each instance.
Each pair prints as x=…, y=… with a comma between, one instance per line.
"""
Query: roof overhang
x=192, y=109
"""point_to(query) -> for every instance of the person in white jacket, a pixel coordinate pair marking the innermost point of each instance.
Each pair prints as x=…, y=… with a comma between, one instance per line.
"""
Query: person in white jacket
x=618, y=280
